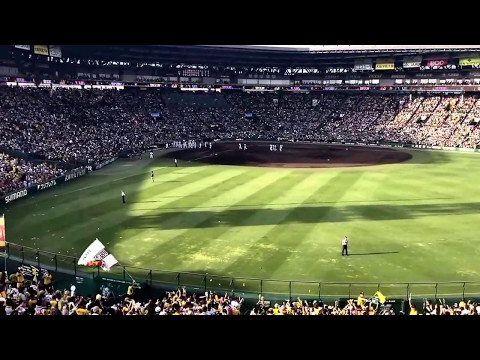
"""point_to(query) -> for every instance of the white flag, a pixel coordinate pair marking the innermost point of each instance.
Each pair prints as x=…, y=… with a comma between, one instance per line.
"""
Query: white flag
x=96, y=255
x=90, y=254
x=108, y=262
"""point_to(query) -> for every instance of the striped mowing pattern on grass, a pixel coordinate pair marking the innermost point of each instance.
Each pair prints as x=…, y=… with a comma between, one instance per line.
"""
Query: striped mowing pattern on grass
x=408, y=222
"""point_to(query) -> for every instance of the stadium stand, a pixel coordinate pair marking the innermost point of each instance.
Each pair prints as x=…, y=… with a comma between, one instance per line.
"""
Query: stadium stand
x=67, y=125
x=39, y=297
x=86, y=127
x=16, y=174
x=52, y=123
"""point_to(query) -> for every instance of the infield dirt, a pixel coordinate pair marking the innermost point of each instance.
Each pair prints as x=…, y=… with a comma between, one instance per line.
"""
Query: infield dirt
x=294, y=155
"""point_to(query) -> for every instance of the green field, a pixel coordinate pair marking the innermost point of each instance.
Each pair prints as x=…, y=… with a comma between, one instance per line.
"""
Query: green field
x=410, y=222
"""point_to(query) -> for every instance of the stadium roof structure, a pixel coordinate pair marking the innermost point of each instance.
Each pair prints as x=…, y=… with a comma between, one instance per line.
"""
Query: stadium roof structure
x=261, y=55
x=360, y=48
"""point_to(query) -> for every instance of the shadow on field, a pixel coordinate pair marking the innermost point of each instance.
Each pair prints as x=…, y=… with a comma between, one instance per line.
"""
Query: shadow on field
x=300, y=215
x=375, y=253
x=278, y=204
x=166, y=197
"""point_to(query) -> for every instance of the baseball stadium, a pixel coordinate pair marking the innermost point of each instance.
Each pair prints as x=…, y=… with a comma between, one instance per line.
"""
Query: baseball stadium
x=222, y=180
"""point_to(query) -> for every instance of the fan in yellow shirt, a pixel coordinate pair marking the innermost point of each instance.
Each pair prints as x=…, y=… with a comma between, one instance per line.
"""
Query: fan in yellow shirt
x=82, y=311
x=130, y=290
x=32, y=303
x=20, y=279
x=361, y=300
x=413, y=309
x=299, y=303
x=47, y=280
x=276, y=310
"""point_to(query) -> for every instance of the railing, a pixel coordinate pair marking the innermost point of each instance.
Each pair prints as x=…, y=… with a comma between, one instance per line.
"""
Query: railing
x=57, y=262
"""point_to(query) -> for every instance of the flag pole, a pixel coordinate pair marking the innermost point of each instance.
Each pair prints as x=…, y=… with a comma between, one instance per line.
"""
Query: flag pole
x=98, y=248
x=125, y=269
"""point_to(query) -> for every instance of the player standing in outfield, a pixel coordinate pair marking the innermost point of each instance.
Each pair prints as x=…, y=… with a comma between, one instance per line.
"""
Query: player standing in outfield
x=345, y=246
x=151, y=154
x=153, y=177
x=176, y=165
x=123, y=196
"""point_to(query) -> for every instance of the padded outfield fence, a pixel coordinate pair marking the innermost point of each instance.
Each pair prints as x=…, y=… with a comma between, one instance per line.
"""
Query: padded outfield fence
x=65, y=268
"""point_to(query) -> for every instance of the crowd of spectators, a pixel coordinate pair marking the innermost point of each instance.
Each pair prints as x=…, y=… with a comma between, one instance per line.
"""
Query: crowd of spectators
x=89, y=126
x=38, y=296
x=76, y=125
x=440, y=307
x=448, y=121
x=16, y=174
x=366, y=118
x=363, y=306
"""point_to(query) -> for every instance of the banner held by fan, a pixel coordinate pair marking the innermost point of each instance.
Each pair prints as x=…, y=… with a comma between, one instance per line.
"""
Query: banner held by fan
x=96, y=256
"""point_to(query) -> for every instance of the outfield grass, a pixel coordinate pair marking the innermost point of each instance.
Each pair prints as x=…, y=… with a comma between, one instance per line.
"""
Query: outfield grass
x=409, y=222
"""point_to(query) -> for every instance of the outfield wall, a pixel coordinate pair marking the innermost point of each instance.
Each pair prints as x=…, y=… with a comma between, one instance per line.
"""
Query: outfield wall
x=8, y=198
x=31, y=190
x=444, y=148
